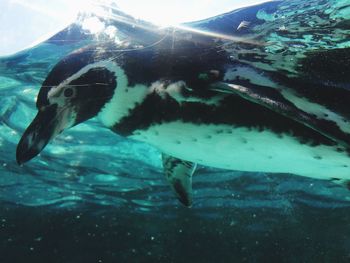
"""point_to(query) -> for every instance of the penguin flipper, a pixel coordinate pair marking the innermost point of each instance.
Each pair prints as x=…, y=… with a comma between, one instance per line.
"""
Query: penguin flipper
x=273, y=100
x=179, y=174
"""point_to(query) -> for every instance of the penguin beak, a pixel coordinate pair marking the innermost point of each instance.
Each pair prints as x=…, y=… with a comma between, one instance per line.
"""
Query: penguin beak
x=48, y=123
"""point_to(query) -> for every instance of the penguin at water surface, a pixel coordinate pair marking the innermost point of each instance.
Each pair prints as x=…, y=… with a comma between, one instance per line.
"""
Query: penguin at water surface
x=179, y=92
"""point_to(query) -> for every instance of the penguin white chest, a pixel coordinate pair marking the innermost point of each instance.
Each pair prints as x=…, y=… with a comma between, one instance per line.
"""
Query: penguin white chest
x=239, y=148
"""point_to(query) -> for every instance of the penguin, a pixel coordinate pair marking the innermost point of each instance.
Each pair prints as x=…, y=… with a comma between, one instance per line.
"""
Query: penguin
x=186, y=93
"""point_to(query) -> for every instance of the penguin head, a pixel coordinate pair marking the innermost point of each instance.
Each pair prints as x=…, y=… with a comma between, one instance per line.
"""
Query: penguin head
x=74, y=91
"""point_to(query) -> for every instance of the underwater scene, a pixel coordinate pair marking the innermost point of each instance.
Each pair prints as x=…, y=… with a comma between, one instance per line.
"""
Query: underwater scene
x=220, y=140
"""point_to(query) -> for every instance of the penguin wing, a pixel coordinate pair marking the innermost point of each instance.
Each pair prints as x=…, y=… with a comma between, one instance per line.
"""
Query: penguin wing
x=296, y=52
x=273, y=100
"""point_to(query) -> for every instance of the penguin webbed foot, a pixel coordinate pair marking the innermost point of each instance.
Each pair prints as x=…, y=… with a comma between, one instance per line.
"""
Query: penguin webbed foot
x=179, y=174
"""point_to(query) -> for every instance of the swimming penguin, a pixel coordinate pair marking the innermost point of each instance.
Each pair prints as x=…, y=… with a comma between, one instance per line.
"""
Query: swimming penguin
x=183, y=92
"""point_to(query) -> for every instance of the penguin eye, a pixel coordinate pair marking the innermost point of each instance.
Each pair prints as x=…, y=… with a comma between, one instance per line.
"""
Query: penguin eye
x=68, y=92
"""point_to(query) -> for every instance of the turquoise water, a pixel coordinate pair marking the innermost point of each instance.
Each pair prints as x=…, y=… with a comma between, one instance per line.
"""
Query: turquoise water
x=93, y=196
